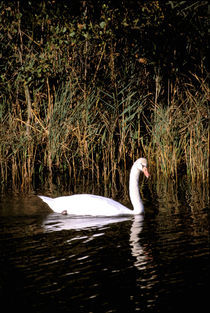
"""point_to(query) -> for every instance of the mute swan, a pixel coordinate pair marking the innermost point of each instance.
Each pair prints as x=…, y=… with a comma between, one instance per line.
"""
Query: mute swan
x=87, y=204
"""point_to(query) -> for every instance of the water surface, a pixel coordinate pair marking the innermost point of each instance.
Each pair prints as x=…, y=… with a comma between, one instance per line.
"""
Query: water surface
x=153, y=263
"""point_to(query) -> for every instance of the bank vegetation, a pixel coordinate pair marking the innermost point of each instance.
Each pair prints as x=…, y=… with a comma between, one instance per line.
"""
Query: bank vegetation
x=88, y=87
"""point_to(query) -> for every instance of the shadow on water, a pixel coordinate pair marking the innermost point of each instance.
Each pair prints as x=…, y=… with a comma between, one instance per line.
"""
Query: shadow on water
x=158, y=262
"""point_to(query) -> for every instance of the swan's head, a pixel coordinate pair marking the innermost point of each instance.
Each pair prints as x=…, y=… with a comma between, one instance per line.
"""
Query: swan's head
x=141, y=164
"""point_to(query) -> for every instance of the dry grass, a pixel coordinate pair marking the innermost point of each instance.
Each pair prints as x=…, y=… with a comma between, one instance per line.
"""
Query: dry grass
x=98, y=134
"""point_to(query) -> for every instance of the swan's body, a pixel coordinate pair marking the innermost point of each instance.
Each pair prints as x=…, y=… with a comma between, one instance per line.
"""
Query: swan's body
x=86, y=204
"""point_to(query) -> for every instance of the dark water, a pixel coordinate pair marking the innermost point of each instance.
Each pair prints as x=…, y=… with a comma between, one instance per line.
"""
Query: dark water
x=53, y=263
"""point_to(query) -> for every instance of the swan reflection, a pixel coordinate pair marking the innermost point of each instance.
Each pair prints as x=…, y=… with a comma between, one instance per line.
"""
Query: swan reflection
x=136, y=248
x=58, y=222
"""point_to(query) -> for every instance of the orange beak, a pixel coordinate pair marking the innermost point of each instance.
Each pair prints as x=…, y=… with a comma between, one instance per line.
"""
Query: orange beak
x=145, y=171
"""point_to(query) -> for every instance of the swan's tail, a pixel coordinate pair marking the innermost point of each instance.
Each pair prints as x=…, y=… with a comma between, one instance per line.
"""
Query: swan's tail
x=48, y=200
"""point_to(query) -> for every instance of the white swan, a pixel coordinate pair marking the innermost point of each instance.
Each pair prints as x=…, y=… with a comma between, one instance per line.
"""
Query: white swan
x=92, y=205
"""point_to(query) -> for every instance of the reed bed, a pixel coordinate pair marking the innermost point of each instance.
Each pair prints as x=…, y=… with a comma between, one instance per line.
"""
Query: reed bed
x=99, y=134
x=79, y=99
x=180, y=135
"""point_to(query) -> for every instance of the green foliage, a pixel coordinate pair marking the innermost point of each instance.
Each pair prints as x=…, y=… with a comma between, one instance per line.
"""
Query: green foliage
x=98, y=85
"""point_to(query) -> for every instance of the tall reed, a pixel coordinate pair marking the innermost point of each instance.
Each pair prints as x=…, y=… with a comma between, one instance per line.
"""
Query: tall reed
x=179, y=139
x=195, y=132
x=99, y=133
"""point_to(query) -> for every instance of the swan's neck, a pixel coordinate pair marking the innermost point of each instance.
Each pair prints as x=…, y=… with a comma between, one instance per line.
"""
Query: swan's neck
x=134, y=191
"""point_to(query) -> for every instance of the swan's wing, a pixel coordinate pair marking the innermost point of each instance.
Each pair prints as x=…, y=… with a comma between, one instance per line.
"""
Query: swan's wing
x=85, y=204
x=50, y=201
